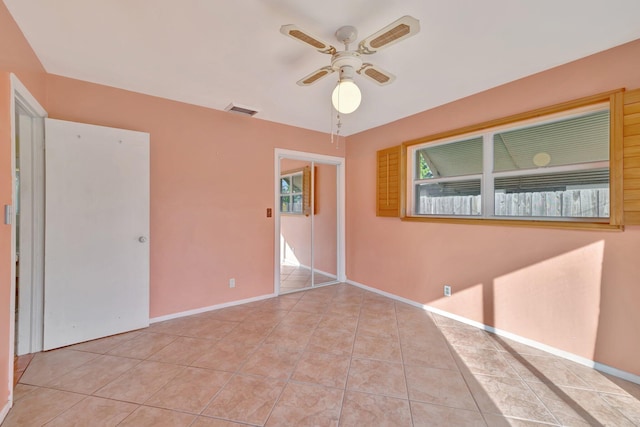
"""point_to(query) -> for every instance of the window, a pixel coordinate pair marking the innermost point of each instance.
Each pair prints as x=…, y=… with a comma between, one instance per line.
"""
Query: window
x=550, y=168
x=448, y=178
x=291, y=193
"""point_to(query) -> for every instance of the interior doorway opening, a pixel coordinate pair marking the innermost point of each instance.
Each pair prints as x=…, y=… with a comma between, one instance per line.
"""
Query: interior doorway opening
x=28, y=220
x=26, y=216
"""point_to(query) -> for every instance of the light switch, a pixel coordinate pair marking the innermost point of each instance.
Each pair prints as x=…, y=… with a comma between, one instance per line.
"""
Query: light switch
x=7, y=214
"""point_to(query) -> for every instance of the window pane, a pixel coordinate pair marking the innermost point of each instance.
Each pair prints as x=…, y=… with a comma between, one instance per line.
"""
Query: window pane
x=297, y=204
x=574, y=140
x=285, y=203
x=451, y=159
x=296, y=183
x=285, y=185
x=450, y=198
x=583, y=194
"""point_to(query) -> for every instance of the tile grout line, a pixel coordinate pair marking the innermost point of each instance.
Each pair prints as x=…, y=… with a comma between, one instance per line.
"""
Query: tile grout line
x=558, y=422
x=464, y=378
x=275, y=403
x=237, y=373
x=404, y=370
x=615, y=409
x=148, y=359
x=353, y=344
x=519, y=377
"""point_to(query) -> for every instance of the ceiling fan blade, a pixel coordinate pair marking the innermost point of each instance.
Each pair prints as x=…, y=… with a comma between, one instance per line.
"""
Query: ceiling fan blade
x=376, y=74
x=399, y=30
x=315, y=76
x=305, y=37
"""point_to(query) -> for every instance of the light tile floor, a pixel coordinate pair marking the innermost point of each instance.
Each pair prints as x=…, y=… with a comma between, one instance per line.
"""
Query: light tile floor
x=295, y=278
x=337, y=355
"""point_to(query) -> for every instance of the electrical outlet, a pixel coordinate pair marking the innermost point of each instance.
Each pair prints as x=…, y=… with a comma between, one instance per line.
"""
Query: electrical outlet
x=447, y=290
x=232, y=283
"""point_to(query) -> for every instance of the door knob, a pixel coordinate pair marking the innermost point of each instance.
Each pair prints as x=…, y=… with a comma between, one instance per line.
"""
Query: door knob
x=142, y=239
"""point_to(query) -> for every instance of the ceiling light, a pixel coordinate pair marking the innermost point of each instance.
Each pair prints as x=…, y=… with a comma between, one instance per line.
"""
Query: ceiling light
x=346, y=96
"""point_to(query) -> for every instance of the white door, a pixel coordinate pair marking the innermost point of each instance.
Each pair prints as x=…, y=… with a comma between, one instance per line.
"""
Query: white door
x=96, y=232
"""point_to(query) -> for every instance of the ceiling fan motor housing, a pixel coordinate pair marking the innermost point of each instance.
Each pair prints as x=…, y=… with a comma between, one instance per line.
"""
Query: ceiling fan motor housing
x=347, y=63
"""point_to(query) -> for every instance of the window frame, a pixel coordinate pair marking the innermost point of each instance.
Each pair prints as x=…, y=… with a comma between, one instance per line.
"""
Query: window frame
x=613, y=100
x=291, y=194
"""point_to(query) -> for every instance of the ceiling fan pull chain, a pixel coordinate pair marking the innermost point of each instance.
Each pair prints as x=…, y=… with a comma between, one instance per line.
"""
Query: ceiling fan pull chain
x=338, y=126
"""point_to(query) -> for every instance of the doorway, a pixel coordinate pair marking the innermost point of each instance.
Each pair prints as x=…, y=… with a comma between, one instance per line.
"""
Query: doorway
x=26, y=216
x=309, y=221
x=99, y=272
x=27, y=220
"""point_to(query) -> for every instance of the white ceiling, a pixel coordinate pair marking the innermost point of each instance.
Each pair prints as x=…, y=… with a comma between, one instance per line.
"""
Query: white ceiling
x=214, y=52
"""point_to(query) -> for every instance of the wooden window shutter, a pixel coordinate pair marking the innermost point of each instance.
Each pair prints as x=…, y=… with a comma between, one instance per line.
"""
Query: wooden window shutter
x=631, y=157
x=389, y=182
x=306, y=190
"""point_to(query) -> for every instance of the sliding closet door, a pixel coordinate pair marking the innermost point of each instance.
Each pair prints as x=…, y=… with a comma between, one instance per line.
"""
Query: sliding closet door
x=295, y=225
x=325, y=223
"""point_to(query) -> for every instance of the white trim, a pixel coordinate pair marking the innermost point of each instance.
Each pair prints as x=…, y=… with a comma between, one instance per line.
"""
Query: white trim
x=276, y=226
x=317, y=286
x=12, y=268
x=18, y=93
x=209, y=308
x=457, y=178
x=488, y=205
x=30, y=310
x=32, y=103
x=385, y=294
x=5, y=409
x=311, y=157
x=312, y=249
x=315, y=270
x=340, y=163
x=502, y=333
x=617, y=372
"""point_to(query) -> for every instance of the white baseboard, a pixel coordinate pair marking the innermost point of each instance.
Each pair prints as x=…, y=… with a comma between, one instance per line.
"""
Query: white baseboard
x=5, y=410
x=617, y=372
x=209, y=308
x=315, y=270
x=502, y=333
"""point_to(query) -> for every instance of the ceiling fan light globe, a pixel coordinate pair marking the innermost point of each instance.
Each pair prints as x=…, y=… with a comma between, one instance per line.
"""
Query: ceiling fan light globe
x=346, y=97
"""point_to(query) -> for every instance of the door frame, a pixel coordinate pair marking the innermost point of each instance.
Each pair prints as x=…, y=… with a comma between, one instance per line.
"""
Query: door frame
x=339, y=162
x=20, y=95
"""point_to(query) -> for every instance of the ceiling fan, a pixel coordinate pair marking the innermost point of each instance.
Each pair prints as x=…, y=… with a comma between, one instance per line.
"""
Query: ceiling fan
x=346, y=96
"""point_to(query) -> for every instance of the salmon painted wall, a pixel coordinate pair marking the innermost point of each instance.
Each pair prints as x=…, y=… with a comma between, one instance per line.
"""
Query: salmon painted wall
x=17, y=57
x=211, y=183
x=574, y=290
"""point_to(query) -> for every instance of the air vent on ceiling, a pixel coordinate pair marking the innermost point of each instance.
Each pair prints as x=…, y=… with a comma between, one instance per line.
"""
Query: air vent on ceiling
x=241, y=109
